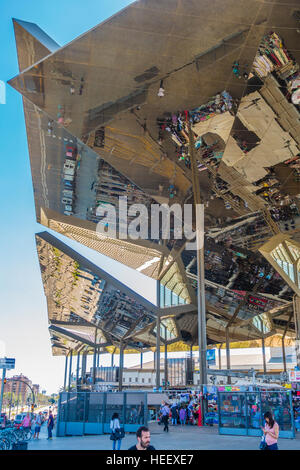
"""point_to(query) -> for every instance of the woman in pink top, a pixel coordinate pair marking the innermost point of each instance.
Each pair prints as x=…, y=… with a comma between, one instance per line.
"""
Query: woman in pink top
x=271, y=431
x=26, y=423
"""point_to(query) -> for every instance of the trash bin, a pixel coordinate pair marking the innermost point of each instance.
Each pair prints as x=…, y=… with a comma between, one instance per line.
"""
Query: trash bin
x=21, y=445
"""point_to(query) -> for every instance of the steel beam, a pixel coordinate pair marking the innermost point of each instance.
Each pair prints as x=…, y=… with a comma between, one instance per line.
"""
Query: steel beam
x=70, y=370
x=121, y=366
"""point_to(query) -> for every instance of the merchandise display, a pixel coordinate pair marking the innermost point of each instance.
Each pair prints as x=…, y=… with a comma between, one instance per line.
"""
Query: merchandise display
x=176, y=124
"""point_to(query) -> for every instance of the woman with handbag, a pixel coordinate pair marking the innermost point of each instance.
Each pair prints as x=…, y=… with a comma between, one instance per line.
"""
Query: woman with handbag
x=271, y=433
x=117, y=433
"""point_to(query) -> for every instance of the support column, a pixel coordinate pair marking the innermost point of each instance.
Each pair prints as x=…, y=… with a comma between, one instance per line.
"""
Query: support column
x=201, y=303
x=112, y=358
x=227, y=354
x=95, y=357
x=121, y=364
x=77, y=368
x=66, y=370
x=166, y=359
x=263, y=348
x=83, y=368
x=283, y=339
x=192, y=368
x=220, y=358
x=264, y=354
x=70, y=369
x=98, y=357
x=94, y=365
x=283, y=354
x=157, y=365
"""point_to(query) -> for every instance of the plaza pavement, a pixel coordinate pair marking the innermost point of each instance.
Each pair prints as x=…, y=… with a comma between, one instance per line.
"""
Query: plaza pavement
x=185, y=438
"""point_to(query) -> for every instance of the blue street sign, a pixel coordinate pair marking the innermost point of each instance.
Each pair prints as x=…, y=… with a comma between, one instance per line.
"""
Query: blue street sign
x=7, y=363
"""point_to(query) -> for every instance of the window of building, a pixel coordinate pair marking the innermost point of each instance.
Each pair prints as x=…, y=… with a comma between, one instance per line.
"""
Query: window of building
x=136, y=379
x=143, y=380
x=129, y=379
x=149, y=381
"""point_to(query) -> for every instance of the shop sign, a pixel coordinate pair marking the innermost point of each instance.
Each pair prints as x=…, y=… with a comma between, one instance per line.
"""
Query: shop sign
x=294, y=375
x=211, y=356
x=229, y=388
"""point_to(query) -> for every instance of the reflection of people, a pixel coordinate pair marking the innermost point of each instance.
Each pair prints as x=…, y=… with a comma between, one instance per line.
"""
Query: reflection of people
x=141, y=412
x=174, y=411
x=165, y=411
x=38, y=424
x=50, y=425
x=133, y=415
x=143, y=440
x=271, y=431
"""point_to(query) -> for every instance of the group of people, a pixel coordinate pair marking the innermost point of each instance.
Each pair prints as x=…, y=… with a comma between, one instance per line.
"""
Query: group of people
x=36, y=423
x=180, y=412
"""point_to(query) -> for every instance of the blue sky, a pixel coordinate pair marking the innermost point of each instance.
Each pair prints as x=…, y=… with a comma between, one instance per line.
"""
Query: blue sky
x=23, y=313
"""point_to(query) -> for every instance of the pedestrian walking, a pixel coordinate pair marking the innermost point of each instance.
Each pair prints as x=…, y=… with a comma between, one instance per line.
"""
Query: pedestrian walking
x=38, y=424
x=271, y=432
x=165, y=412
x=174, y=412
x=143, y=440
x=182, y=416
x=50, y=425
x=116, y=432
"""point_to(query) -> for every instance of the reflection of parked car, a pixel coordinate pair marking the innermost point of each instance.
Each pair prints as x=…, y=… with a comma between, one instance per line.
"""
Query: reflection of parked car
x=19, y=418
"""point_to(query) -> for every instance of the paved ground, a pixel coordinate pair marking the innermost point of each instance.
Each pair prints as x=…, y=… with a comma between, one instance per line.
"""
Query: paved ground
x=186, y=438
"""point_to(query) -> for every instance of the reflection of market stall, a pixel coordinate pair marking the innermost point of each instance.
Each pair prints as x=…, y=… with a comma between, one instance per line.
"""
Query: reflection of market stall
x=210, y=139
x=241, y=413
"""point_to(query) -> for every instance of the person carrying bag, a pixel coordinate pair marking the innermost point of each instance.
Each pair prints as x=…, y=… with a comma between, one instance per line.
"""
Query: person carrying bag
x=117, y=433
